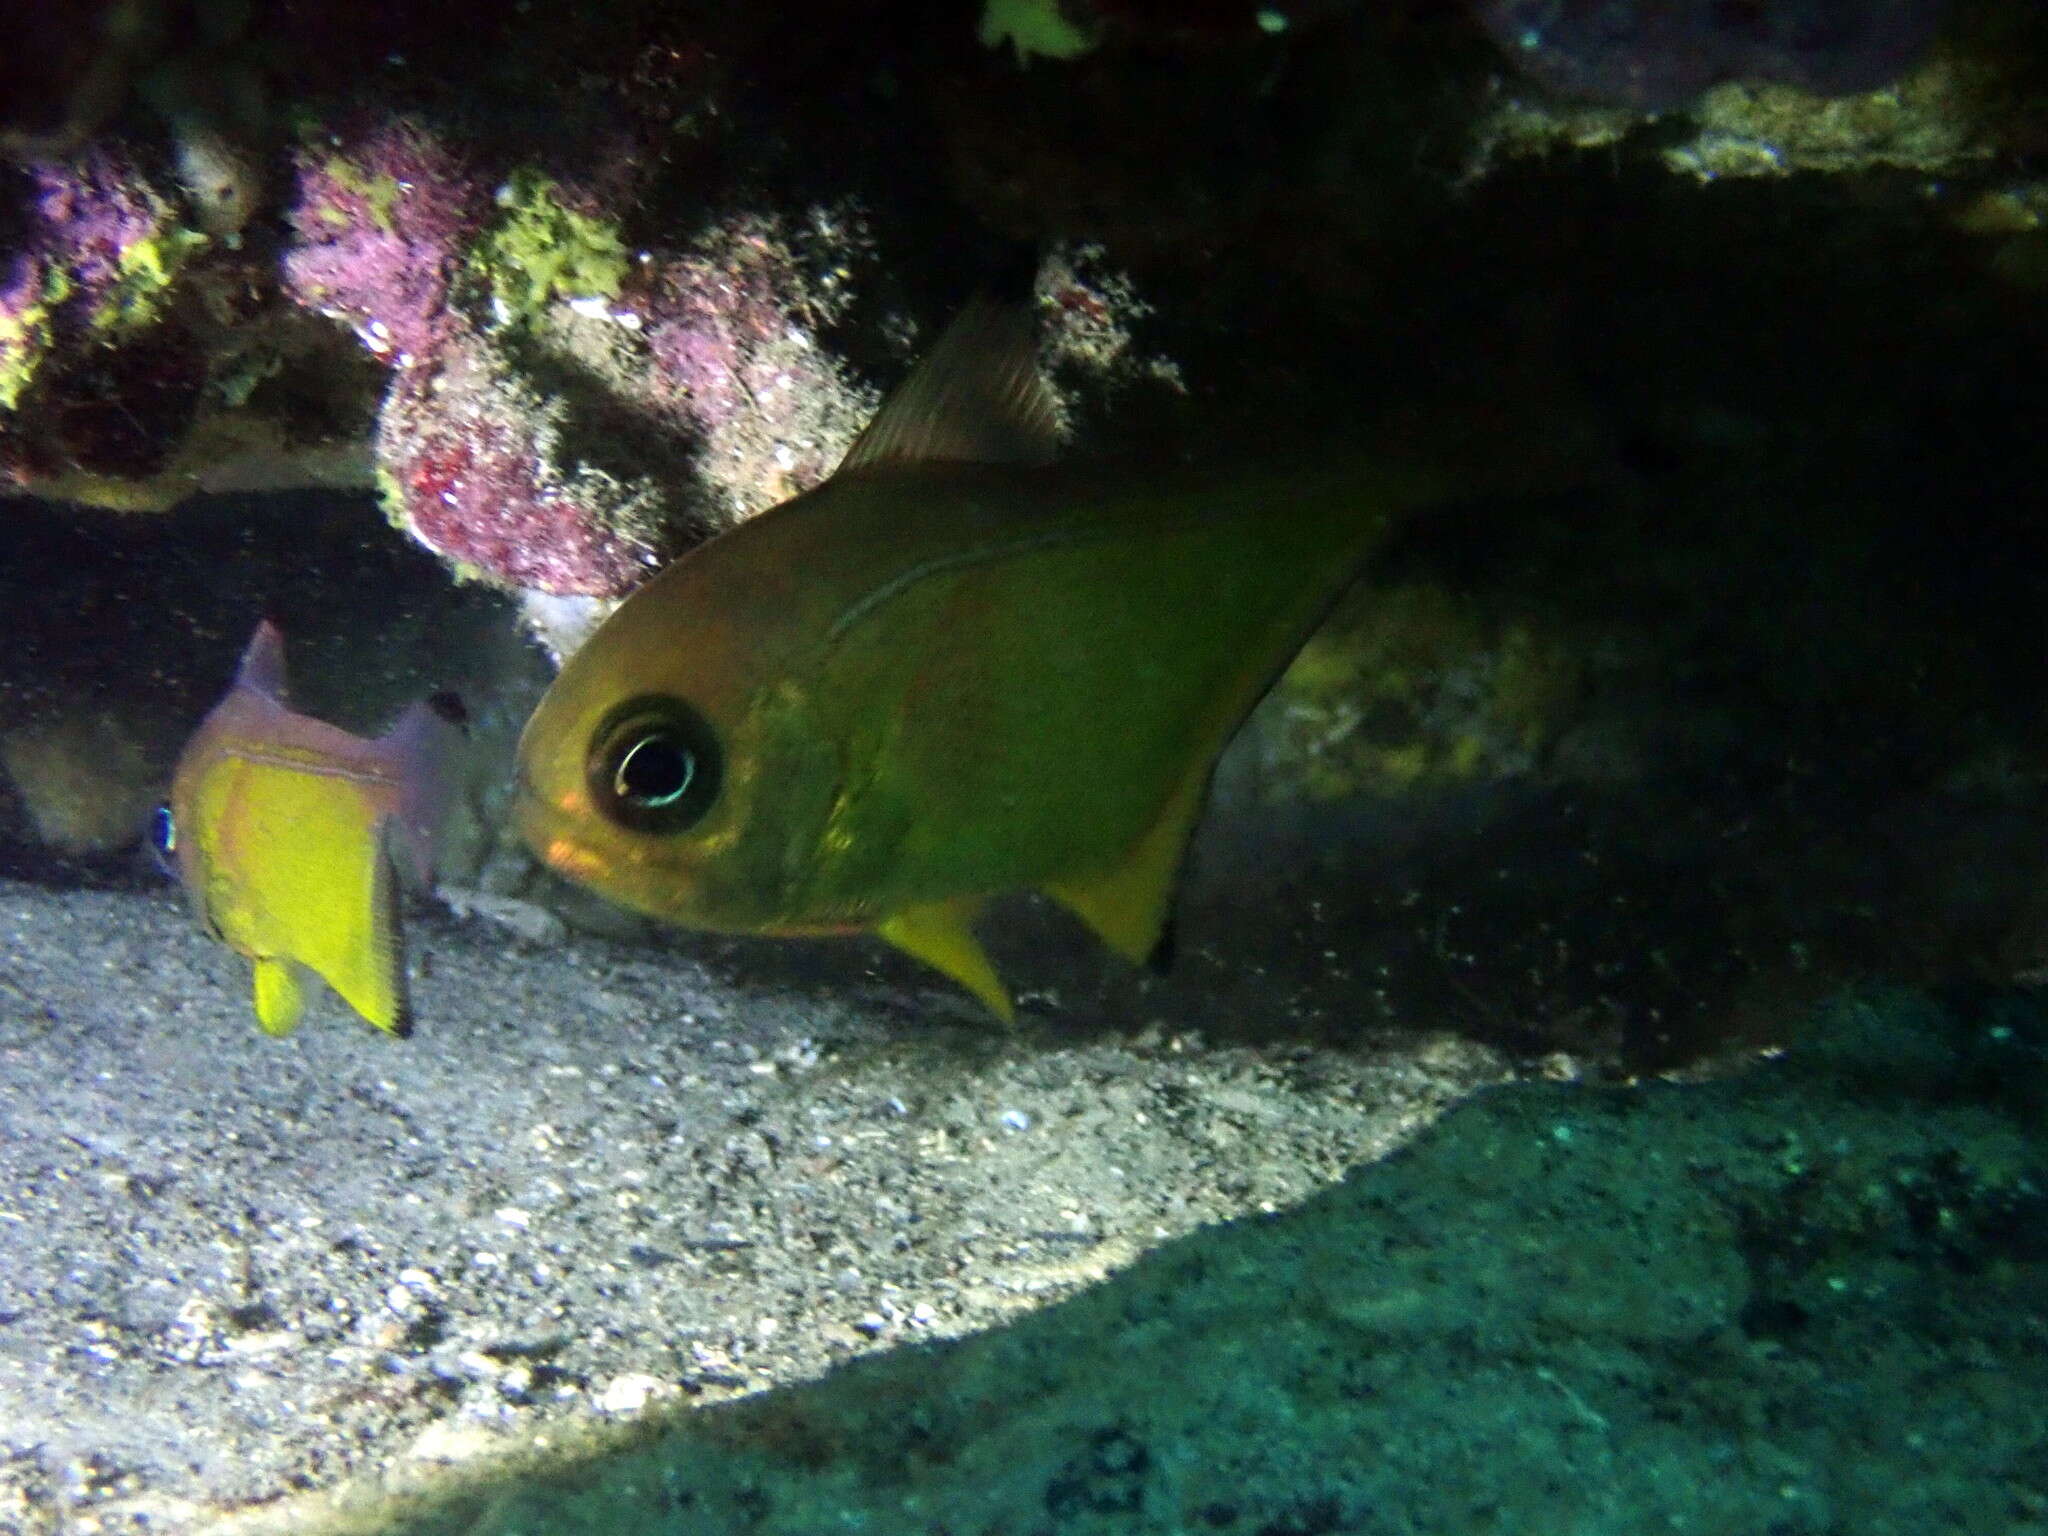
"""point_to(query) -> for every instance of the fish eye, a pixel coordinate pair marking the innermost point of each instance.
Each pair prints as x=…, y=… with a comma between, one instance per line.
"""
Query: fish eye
x=654, y=765
x=163, y=840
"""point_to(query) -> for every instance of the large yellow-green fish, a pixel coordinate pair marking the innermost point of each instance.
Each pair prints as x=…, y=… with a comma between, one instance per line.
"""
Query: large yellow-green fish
x=949, y=672
x=285, y=830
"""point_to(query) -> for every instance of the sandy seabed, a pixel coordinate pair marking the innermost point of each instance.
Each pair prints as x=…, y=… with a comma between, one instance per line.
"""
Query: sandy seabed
x=595, y=1180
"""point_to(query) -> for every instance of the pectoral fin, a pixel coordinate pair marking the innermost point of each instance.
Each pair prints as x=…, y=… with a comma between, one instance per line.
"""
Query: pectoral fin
x=1130, y=904
x=280, y=997
x=940, y=934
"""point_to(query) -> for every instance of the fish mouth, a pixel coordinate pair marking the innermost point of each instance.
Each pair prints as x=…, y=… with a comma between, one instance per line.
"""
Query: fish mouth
x=548, y=827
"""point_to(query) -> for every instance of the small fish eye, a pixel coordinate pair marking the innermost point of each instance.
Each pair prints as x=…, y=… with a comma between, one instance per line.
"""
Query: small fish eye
x=654, y=765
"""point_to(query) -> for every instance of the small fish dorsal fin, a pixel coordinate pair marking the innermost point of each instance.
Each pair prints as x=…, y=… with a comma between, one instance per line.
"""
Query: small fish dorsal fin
x=976, y=398
x=262, y=666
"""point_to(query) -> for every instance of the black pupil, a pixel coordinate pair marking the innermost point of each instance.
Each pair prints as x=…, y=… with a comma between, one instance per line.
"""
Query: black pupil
x=655, y=771
x=654, y=765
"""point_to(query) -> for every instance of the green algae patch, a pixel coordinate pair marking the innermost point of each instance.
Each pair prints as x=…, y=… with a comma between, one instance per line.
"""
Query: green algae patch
x=1034, y=28
x=148, y=268
x=145, y=271
x=540, y=249
x=25, y=336
x=379, y=194
x=1928, y=122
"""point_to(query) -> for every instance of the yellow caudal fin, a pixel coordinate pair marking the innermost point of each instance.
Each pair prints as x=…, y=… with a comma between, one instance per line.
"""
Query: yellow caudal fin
x=364, y=959
x=280, y=997
x=1129, y=903
x=940, y=934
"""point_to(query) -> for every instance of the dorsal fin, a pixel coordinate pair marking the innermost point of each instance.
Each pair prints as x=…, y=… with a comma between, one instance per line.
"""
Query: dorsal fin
x=263, y=663
x=976, y=398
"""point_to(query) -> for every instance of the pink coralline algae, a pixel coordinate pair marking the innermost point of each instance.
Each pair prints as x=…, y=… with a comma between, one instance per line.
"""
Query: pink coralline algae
x=96, y=253
x=570, y=452
x=382, y=223
x=471, y=457
x=664, y=415
x=730, y=330
x=1657, y=55
x=91, y=213
x=562, y=412
x=474, y=462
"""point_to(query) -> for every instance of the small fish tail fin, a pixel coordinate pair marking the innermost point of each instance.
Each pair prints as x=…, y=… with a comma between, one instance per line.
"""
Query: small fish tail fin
x=364, y=959
x=425, y=744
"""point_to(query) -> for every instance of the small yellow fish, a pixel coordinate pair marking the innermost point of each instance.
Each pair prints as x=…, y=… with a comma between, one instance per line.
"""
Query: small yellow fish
x=284, y=829
x=949, y=672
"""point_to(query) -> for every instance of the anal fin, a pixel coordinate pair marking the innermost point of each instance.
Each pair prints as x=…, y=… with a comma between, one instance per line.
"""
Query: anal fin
x=940, y=934
x=1130, y=904
x=1161, y=960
